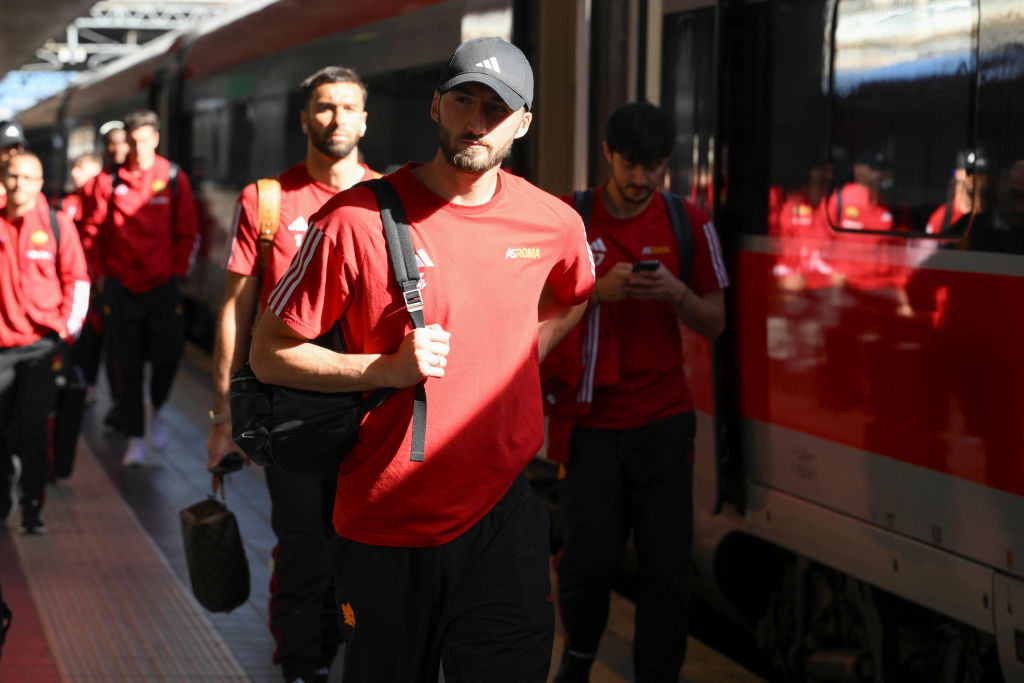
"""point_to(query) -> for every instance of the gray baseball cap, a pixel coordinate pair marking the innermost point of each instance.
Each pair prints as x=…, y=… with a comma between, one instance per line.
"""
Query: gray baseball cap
x=494, y=63
x=11, y=134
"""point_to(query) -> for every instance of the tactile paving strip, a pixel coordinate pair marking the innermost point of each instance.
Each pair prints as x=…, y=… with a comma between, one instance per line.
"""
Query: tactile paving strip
x=110, y=606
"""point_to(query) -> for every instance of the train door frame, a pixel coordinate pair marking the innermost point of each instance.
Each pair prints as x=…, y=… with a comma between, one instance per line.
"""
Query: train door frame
x=711, y=459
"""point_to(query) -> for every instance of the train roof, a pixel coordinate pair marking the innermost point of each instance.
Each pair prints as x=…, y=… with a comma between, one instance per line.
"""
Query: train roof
x=244, y=33
x=273, y=27
x=124, y=77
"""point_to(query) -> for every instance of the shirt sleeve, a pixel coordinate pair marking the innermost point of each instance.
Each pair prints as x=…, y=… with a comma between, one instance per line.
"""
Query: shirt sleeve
x=708, y=273
x=572, y=279
x=95, y=204
x=310, y=295
x=74, y=278
x=243, y=250
x=186, y=227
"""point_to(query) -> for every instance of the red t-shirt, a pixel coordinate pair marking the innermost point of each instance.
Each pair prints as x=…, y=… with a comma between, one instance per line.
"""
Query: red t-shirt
x=127, y=231
x=71, y=204
x=807, y=241
x=483, y=269
x=859, y=212
x=301, y=197
x=36, y=299
x=868, y=261
x=937, y=221
x=652, y=382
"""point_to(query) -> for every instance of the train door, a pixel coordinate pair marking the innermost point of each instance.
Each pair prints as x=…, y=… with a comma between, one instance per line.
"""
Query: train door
x=688, y=91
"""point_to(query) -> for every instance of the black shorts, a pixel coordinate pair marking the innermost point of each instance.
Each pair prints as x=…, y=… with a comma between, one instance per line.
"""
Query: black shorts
x=480, y=605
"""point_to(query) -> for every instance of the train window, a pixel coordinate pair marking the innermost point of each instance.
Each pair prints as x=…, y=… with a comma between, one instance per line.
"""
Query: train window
x=901, y=93
x=688, y=94
x=998, y=225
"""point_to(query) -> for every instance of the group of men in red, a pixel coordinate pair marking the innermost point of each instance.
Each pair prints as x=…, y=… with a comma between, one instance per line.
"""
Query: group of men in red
x=120, y=245
x=444, y=563
x=439, y=564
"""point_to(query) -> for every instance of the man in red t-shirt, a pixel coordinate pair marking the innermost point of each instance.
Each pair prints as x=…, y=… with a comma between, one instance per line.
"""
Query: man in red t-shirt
x=44, y=294
x=631, y=456
x=139, y=230
x=84, y=168
x=442, y=562
x=302, y=607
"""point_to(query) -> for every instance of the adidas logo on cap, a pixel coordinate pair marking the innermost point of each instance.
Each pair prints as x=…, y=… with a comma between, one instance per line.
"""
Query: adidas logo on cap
x=490, y=63
x=476, y=61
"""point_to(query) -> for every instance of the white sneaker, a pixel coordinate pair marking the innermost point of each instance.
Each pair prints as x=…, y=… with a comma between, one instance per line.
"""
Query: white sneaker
x=135, y=454
x=157, y=431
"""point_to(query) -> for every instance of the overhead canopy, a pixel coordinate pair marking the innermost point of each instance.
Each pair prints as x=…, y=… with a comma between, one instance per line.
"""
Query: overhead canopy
x=26, y=25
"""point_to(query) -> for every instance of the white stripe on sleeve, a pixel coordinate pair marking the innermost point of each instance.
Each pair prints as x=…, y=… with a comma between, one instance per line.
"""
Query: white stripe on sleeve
x=283, y=290
x=79, y=307
x=716, y=254
x=592, y=333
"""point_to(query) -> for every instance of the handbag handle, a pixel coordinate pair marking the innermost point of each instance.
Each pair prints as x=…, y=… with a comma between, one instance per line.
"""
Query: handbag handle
x=218, y=484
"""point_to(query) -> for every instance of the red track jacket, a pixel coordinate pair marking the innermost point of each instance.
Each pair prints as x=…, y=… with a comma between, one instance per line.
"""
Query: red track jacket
x=131, y=233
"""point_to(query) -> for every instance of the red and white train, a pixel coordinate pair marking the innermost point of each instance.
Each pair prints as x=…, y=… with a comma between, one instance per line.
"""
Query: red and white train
x=860, y=476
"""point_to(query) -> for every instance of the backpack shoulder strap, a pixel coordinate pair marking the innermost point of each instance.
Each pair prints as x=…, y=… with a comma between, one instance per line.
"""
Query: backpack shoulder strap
x=407, y=274
x=172, y=179
x=683, y=231
x=55, y=229
x=583, y=202
x=115, y=176
x=268, y=217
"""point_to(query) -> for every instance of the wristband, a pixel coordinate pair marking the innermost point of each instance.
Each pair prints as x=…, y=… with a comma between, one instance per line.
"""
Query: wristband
x=219, y=418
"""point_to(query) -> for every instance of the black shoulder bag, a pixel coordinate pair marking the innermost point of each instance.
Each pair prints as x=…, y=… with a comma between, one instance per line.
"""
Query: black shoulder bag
x=311, y=432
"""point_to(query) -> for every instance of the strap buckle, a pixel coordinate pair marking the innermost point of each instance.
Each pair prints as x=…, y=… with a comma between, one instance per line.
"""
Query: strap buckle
x=413, y=301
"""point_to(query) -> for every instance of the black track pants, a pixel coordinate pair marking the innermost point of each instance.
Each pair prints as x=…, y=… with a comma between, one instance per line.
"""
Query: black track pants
x=620, y=480
x=302, y=608
x=27, y=393
x=480, y=605
x=139, y=327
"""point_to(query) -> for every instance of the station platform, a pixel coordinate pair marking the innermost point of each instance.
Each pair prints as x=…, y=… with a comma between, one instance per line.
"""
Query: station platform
x=104, y=594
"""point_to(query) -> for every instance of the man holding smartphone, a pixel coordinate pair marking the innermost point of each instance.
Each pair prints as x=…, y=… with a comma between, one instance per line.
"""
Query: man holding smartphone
x=630, y=460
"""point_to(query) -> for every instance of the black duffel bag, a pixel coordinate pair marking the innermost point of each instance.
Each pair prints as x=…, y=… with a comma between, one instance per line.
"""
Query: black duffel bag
x=311, y=432
x=300, y=431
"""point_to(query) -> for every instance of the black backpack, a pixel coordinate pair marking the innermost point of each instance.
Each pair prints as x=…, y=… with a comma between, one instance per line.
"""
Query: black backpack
x=311, y=432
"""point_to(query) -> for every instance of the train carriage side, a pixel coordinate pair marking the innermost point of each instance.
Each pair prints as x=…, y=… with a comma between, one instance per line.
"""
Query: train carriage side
x=867, y=414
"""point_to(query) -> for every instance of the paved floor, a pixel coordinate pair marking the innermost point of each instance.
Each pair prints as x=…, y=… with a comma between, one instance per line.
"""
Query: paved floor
x=104, y=595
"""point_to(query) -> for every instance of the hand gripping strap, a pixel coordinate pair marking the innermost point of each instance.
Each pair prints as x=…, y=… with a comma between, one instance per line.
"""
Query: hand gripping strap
x=407, y=274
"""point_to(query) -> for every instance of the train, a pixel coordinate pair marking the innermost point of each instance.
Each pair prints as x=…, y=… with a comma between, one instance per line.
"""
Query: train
x=859, y=482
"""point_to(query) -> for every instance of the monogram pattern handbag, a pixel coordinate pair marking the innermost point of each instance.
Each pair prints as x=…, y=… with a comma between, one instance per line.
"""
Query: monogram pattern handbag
x=217, y=566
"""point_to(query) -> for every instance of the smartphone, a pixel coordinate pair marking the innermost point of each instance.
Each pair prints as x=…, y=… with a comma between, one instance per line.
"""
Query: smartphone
x=646, y=265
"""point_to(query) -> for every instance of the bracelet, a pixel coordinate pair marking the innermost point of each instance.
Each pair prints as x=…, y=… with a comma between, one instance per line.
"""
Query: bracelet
x=219, y=418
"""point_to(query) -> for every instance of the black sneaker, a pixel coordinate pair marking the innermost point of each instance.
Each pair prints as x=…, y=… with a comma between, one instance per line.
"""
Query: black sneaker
x=9, y=490
x=32, y=518
x=574, y=669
